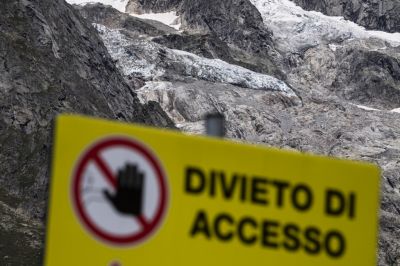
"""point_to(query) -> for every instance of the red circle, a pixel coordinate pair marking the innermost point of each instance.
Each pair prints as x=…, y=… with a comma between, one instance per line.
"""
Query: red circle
x=89, y=155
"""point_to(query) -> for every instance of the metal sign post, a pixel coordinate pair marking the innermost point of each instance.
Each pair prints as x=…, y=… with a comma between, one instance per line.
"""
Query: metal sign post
x=215, y=125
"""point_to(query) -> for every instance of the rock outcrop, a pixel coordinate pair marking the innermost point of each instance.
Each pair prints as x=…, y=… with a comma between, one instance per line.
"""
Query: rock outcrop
x=372, y=14
x=51, y=61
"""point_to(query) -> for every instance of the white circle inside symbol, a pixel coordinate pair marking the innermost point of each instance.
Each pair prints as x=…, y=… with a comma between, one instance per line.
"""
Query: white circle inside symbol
x=94, y=182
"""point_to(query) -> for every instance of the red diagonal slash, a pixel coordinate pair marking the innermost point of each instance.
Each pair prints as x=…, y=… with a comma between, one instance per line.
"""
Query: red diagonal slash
x=113, y=182
x=93, y=155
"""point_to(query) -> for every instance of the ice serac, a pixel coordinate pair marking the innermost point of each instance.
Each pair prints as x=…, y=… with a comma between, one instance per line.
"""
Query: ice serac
x=51, y=61
x=372, y=14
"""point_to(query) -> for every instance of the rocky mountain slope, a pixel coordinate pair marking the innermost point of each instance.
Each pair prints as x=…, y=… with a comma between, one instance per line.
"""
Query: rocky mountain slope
x=306, y=81
x=51, y=61
x=281, y=75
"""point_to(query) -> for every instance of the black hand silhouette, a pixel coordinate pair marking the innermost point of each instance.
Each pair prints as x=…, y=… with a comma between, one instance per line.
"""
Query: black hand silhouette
x=129, y=191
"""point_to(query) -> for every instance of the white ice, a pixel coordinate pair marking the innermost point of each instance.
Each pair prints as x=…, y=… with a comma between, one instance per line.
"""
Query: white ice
x=367, y=108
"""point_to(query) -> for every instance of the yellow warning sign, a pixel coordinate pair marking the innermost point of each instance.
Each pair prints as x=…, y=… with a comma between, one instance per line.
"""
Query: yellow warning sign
x=131, y=195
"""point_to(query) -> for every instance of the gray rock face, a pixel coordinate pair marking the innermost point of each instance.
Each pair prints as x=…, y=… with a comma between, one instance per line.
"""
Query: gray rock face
x=237, y=22
x=51, y=62
x=362, y=72
x=372, y=14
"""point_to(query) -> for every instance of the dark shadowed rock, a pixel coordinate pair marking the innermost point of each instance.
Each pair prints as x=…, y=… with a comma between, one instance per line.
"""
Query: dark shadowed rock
x=51, y=62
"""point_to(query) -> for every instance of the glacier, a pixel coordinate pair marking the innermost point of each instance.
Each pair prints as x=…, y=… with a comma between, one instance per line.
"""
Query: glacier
x=150, y=61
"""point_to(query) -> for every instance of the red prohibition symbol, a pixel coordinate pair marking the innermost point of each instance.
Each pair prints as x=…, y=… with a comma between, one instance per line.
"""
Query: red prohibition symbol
x=103, y=164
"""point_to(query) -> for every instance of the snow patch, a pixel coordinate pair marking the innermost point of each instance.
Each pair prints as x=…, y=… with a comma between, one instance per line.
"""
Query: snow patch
x=120, y=5
x=333, y=47
x=392, y=38
x=168, y=18
x=296, y=29
x=366, y=108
